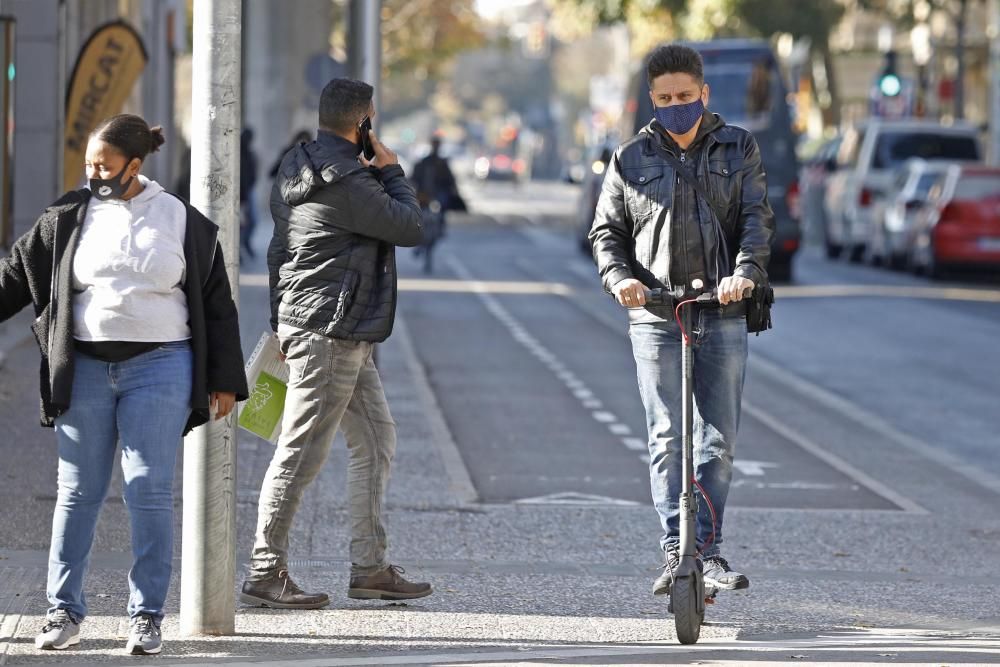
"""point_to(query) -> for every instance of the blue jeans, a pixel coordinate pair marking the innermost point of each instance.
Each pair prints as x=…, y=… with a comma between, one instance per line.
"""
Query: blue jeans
x=144, y=402
x=720, y=357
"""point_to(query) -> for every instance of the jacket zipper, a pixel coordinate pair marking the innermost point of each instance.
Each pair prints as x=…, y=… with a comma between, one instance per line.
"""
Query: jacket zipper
x=684, y=238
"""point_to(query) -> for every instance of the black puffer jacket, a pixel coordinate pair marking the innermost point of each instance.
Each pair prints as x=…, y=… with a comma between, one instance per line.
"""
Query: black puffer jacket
x=332, y=259
x=643, y=201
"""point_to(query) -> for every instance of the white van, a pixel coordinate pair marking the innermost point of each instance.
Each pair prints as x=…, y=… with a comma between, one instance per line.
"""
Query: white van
x=870, y=154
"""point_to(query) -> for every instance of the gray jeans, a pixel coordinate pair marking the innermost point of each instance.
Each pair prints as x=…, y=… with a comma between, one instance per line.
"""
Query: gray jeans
x=332, y=383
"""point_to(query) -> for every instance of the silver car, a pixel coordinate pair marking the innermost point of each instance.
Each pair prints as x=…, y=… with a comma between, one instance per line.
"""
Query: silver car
x=894, y=214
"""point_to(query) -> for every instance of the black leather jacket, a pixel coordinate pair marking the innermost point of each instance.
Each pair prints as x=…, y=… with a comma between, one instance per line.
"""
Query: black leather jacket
x=632, y=224
x=332, y=260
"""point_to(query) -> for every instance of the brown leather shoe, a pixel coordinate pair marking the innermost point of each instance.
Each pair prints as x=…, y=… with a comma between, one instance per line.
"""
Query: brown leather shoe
x=280, y=592
x=387, y=584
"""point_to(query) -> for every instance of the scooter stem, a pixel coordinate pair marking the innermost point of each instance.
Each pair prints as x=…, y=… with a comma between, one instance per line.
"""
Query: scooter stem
x=688, y=504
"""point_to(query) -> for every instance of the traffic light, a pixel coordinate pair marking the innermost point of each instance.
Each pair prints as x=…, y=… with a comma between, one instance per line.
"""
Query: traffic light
x=889, y=83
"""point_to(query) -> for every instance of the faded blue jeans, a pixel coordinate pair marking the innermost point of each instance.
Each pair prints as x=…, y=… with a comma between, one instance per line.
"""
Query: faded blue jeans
x=720, y=358
x=144, y=402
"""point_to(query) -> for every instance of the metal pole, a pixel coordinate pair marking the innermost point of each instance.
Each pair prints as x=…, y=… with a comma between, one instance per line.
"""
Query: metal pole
x=364, y=48
x=208, y=561
x=960, y=25
x=364, y=54
x=994, y=70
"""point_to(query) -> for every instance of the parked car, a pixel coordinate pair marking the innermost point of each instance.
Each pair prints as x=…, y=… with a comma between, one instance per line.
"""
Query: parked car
x=894, y=214
x=960, y=228
x=590, y=192
x=812, y=179
x=868, y=156
x=499, y=167
x=747, y=89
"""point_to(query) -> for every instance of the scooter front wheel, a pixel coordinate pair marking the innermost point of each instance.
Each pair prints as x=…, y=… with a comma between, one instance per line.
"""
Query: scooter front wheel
x=687, y=603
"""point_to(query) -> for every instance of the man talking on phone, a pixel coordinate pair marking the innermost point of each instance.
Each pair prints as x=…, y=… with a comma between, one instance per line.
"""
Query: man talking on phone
x=338, y=216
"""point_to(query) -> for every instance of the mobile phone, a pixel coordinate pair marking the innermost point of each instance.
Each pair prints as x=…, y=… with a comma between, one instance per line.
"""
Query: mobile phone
x=364, y=127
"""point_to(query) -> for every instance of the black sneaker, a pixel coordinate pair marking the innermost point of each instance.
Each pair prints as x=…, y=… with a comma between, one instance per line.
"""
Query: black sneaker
x=720, y=575
x=671, y=557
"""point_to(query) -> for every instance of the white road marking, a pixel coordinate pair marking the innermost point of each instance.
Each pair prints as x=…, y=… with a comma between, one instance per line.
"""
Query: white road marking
x=578, y=388
x=636, y=444
x=573, y=498
x=752, y=468
x=876, y=423
x=832, y=460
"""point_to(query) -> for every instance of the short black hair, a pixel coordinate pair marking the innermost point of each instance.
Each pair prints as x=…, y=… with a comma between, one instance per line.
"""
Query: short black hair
x=343, y=103
x=675, y=59
x=130, y=135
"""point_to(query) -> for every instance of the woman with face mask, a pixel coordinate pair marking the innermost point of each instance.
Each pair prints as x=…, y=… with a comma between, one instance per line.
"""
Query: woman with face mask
x=140, y=343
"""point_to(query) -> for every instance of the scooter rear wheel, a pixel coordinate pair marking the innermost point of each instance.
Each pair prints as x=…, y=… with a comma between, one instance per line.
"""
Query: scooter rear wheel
x=687, y=602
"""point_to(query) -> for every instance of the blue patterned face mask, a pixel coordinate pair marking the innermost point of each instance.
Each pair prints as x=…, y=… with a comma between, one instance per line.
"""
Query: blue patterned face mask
x=679, y=118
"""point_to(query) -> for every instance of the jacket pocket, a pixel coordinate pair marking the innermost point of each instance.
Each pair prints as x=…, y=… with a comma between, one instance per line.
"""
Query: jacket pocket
x=40, y=327
x=348, y=291
x=642, y=192
x=724, y=177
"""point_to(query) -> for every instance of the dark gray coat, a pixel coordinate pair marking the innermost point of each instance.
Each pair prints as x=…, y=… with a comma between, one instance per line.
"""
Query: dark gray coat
x=39, y=272
x=332, y=259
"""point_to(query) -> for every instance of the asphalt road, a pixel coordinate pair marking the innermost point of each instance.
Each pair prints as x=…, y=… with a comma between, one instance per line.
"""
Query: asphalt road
x=532, y=367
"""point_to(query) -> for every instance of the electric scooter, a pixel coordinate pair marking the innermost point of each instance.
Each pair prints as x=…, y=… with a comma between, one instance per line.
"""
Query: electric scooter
x=688, y=592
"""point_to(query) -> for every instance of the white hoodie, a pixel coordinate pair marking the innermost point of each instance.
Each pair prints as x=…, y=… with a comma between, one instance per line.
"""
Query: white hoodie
x=128, y=271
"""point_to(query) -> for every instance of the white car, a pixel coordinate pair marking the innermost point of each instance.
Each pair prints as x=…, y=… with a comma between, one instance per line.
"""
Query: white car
x=870, y=153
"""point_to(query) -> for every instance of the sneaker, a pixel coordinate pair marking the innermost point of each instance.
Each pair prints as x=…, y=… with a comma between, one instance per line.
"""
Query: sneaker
x=671, y=557
x=387, y=584
x=278, y=591
x=720, y=575
x=60, y=631
x=143, y=636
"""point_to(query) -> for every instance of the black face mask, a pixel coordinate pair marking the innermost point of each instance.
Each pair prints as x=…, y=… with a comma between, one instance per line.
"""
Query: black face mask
x=111, y=188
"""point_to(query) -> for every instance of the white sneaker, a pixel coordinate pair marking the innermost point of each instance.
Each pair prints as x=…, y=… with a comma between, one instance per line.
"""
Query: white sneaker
x=143, y=636
x=60, y=631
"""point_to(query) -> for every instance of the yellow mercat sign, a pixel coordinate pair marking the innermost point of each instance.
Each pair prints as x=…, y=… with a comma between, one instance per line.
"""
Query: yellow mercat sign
x=105, y=71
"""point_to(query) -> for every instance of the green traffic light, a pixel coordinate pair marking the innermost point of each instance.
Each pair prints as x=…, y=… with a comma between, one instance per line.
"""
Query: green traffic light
x=890, y=85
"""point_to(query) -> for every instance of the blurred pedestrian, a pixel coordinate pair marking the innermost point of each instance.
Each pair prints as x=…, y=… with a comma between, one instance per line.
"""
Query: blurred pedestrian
x=301, y=137
x=140, y=343
x=337, y=219
x=248, y=180
x=434, y=180
x=683, y=202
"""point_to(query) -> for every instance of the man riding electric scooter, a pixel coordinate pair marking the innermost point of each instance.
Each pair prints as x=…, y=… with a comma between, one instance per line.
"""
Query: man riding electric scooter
x=684, y=210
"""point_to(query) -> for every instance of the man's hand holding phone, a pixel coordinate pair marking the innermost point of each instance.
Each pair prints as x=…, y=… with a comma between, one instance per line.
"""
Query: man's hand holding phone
x=382, y=155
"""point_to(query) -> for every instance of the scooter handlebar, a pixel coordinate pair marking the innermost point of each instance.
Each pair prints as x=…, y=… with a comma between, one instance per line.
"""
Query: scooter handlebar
x=662, y=296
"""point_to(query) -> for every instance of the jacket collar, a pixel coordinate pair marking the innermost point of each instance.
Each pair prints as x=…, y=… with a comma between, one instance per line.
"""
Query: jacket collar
x=337, y=144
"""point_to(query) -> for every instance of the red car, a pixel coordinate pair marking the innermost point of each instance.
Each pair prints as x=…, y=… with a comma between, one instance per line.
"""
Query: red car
x=960, y=225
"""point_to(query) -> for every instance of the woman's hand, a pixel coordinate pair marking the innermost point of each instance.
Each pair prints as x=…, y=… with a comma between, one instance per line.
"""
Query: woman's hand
x=221, y=403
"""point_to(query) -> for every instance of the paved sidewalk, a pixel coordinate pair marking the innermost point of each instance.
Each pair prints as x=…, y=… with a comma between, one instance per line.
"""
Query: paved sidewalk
x=525, y=584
